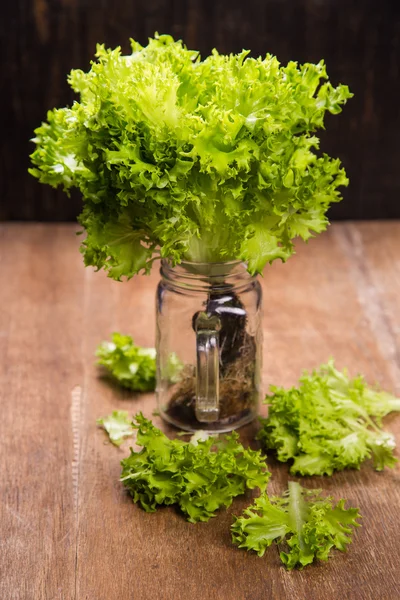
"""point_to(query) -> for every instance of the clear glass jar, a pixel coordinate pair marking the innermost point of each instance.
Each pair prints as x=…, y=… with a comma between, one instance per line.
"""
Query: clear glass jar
x=209, y=341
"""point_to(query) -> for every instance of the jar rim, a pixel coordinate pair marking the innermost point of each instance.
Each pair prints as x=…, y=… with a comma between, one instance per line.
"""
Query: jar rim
x=238, y=261
x=205, y=275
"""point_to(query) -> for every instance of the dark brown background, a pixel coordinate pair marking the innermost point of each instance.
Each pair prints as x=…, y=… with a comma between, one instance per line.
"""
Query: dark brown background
x=360, y=41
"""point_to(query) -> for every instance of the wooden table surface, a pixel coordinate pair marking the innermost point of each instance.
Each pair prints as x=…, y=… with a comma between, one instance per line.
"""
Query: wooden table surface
x=70, y=532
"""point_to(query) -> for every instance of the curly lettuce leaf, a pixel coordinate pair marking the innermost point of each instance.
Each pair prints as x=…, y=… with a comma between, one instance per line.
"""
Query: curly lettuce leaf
x=307, y=525
x=132, y=366
x=199, y=477
x=327, y=423
x=118, y=425
x=190, y=159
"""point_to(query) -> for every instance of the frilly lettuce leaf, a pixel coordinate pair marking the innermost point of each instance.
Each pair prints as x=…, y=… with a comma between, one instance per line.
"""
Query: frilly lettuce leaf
x=118, y=426
x=327, y=423
x=199, y=477
x=132, y=366
x=302, y=522
x=202, y=160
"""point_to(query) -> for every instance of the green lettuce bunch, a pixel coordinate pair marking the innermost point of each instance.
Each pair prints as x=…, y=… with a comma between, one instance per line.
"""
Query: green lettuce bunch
x=328, y=423
x=190, y=159
x=199, y=476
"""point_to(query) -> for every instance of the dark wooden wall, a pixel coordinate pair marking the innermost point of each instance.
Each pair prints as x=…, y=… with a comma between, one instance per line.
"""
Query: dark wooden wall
x=41, y=40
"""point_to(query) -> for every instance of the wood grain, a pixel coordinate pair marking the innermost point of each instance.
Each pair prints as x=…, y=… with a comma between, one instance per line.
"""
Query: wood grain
x=360, y=42
x=69, y=532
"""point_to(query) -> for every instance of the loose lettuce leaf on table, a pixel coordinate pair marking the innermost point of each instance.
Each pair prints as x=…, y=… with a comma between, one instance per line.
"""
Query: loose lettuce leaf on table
x=118, y=425
x=132, y=366
x=327, y=423
x=199, y=477
x=307, y=525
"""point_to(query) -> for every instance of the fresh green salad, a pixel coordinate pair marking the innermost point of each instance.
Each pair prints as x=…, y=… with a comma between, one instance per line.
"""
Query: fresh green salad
x=199, y=477
x=191, y=159
x=118, y=425
x=305, y=525
x=133, y=367
x=329, y=422
x=205, y=474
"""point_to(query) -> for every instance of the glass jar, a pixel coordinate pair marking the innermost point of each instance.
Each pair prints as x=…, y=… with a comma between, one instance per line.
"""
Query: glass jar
x=209, y=341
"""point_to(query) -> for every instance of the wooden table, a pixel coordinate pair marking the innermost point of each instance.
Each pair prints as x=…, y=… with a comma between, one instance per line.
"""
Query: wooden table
x=70, y=532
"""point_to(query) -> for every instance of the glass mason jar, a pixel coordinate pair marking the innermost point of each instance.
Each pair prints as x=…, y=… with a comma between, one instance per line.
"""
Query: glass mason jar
x=209, y=341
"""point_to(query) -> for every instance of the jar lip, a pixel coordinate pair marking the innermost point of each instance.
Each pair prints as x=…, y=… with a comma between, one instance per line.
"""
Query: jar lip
x=167, y=262
x=205, y=275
